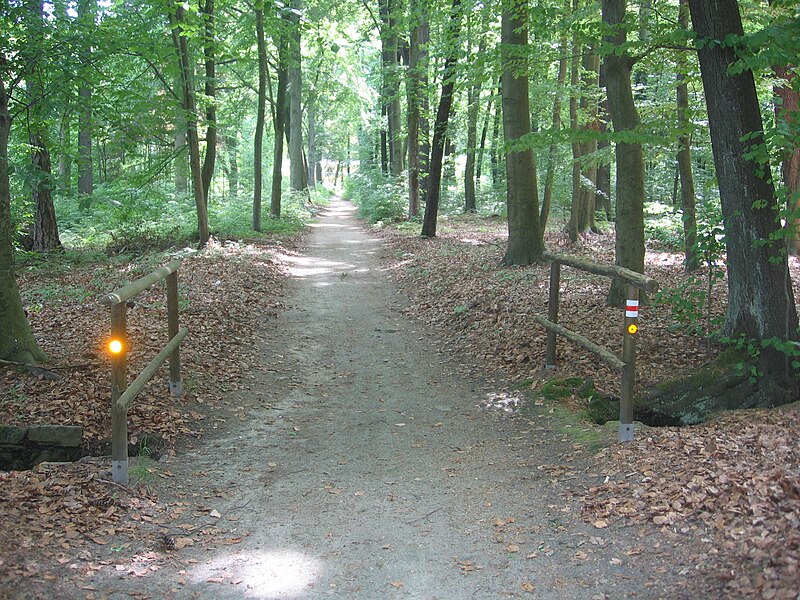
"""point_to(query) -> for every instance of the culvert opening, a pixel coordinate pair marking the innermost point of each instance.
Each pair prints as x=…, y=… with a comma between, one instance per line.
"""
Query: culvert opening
x=22, y=448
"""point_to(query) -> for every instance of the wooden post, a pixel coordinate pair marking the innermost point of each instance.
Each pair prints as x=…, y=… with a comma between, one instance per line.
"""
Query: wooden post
x=119, y=381
x=175, y=384
x=629, y=358
x=552, y=313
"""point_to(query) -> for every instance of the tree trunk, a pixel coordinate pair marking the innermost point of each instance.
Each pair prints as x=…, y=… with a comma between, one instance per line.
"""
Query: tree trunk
x=297, y=177
x=525, y=237
x=550, y=174
x=761, y=303
x=424, y=106
x=495, y=156
x=473, y=98
x=391, y=85
x=414, y=92
x=261, y=116
x=312, y=142
x=44, y=233
x=490, y=102
x=16, y=338
x=684, y=157
x=232, y=145
x=190, y=109
x=629, y=159
x=86, y=15
x=440, y=124
x=64, y=158
x=279, y=123
x=209, y=54
x=45, y=228
x=786, y=111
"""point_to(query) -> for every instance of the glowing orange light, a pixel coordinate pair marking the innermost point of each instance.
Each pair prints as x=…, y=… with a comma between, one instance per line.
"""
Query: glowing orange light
x=115, y=346
x=633, y=329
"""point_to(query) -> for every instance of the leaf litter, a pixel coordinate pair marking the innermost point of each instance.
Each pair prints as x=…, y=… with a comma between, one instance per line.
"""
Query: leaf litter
x=63, y=521
x=730, y=486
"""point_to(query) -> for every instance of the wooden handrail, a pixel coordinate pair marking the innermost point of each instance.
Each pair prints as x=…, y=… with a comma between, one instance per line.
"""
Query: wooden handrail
x=140, y=285
x=122, y=394
x=627, y=364
x=614, y=271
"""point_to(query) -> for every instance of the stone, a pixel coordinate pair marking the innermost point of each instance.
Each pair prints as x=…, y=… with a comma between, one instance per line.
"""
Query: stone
x=56, y=435
x=10, y=434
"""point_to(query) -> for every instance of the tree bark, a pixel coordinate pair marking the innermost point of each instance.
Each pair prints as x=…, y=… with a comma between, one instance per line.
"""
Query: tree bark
x=16, y=338
x=550, y=173
x=473, y=99
x=86, y=15
x=391, y=85
x=440, y=124
x=414, y=92
x=525, y=237
x=312, y=143
x=44, y=233
x=629, y=249
x=761, y=304
x=209, y=55
x=297, y=174
x=190, y=110
x=279, y=123
x=684, y=158
x=786, y=111
x=261, y=116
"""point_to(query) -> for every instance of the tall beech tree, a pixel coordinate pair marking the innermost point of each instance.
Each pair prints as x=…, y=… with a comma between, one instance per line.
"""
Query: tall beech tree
x=761, y=303
x=629, y=247
x=525, y=235
x=297, y=171
x=261, y=114
x=179, y=39
x=684, y=158
x=16, y=338
x=441, y=122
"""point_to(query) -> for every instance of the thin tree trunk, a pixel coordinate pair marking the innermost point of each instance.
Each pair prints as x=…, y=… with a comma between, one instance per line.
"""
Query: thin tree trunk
x=629, y=157
x=549, y=177
x=64, y=158
x=495, y=156
x=473, y=97
x=424, y=107
x=312, y=141
x=261, y=116
x=490, y=102
x=786, y=111
x=391, y=84
x=86, y=15
x=413, y=92
x=296, y=165
x=525, y=238
x=684, y=157
x=440, y=124
x=211, y=92
x=279, y=123
x=190, y=109
x=233, y=165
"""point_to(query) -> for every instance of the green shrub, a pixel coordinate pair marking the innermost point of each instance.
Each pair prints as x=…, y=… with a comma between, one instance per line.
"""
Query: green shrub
x=378, y=197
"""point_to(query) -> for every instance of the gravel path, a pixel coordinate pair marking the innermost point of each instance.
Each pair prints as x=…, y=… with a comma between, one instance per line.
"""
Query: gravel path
x=368, y=469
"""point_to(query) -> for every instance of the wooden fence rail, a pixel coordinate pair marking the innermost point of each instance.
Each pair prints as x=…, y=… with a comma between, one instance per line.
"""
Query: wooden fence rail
x=122, y=394
x=627, y=364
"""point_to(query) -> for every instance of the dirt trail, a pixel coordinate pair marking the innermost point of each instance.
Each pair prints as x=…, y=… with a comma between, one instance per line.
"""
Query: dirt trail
x=367, y=468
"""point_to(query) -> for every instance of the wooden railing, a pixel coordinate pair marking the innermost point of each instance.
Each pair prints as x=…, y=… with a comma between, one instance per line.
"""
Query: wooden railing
x=122, y=394
x=625, y=365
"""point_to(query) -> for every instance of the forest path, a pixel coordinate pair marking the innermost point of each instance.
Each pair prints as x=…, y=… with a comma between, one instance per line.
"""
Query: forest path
x=366, y=467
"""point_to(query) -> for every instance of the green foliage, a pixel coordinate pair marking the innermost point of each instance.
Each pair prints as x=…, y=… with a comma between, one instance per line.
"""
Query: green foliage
x=379, y=197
